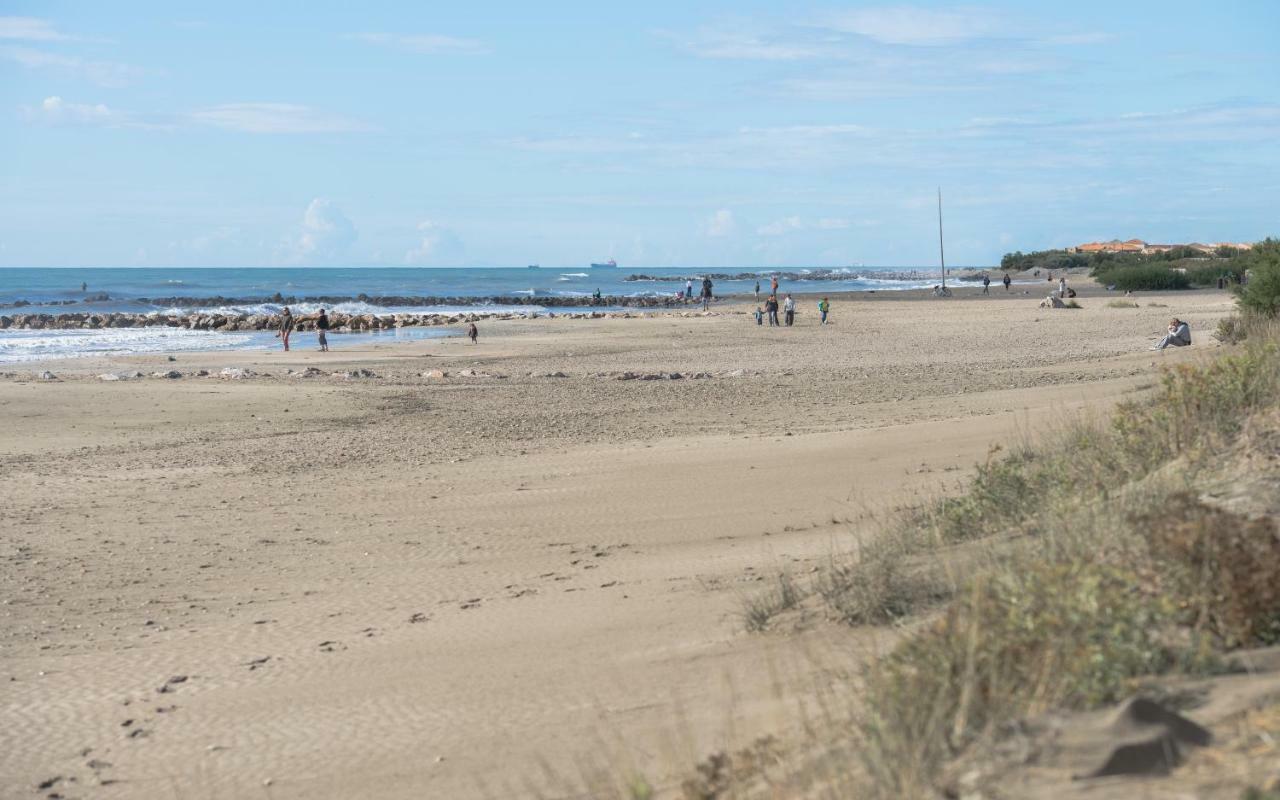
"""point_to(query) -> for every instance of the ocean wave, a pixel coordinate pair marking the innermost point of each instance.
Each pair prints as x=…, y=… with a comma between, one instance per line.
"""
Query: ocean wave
x=17, y=346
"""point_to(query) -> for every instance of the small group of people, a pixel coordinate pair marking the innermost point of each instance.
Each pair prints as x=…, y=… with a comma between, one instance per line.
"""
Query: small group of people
x=288, y=322
x=986, y=283
x=704, y=295
x=770, y=311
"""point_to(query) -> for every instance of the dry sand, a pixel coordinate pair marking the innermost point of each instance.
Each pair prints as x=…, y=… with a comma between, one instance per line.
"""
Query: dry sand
x=413, y=587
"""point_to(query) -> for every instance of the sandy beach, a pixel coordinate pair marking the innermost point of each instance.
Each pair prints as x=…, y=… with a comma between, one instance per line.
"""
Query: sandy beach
x=491, y=584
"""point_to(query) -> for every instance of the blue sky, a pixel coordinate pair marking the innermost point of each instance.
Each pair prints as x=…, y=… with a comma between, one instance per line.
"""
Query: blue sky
x=662, y=133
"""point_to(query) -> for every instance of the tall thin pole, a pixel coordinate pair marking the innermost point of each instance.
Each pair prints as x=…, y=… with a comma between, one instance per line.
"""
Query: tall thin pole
x=942, y=255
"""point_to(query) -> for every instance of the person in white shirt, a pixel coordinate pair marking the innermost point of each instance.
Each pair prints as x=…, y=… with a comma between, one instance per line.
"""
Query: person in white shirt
x=789, y=307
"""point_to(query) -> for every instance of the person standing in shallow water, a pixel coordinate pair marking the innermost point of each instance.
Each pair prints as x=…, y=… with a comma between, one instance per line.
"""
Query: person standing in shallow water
x=757, y=290
x=286, y=327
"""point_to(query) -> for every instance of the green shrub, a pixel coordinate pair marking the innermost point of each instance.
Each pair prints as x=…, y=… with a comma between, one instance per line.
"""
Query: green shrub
x=1146, y=277
x=1262, y=294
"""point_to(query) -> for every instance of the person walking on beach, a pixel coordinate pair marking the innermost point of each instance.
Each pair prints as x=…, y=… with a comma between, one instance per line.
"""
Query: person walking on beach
x=986, y=284
x=757, y=290
x=322, y=331
x=789, y=308
x=1062, y=286
x=706, y=293
x=771, y=309
x=823, y=308
x=472, y=333
x=688, y=289
x=286, y=327
x=1007, y=281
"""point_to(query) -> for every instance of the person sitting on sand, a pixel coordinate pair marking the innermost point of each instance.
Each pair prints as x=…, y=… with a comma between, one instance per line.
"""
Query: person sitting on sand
x=789, y=307
x=823, y=308
x=472, y=332
x=771, y=309
x=759, y=316
x=1007, y=281
x=286, y=326
x=1179, y=335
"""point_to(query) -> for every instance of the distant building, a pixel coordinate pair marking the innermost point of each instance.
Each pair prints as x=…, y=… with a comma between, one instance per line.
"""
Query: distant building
x=1139, y=246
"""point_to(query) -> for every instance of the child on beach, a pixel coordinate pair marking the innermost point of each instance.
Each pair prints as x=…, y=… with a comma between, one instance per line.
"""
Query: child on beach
x=759, y=316
x=823, y=308
x=472, y=333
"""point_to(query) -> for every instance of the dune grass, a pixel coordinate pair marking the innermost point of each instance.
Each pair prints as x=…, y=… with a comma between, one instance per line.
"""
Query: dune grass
x=1071, y=568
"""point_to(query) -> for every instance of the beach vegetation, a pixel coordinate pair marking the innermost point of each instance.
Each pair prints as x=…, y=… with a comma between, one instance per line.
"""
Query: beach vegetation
x=1121, y=304
x=1143, y=278
x=1071, y=569
x=1261, y=295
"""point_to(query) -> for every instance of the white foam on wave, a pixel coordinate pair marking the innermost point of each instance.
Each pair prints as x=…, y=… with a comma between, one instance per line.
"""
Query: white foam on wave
x=18, y=346
x=574, y=275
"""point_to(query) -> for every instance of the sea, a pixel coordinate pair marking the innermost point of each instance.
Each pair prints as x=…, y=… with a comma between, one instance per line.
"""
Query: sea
x=167, y=291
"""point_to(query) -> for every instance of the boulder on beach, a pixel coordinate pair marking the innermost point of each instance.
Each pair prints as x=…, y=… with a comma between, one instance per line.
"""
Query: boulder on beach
x=235, y=373
x=171, y=374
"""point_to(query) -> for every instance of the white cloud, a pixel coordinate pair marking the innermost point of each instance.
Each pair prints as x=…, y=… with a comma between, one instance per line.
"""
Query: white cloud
x=273, y=118
x=438, y=245
x=424, y=43
x=30, y=29
x=721, y=224
x=793, y=223
x=915, y=26
x=325, y=235
x=110, y=74
x=54, y=110
x=780, y=227
x=749, y=46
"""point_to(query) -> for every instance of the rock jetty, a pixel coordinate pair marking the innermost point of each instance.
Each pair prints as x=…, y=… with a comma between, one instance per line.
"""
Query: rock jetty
x=266, y=322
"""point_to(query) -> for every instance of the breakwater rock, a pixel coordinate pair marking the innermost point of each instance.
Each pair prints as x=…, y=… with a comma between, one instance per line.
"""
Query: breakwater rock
x=268, y=322
x=792, y=275
x=392, y=301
